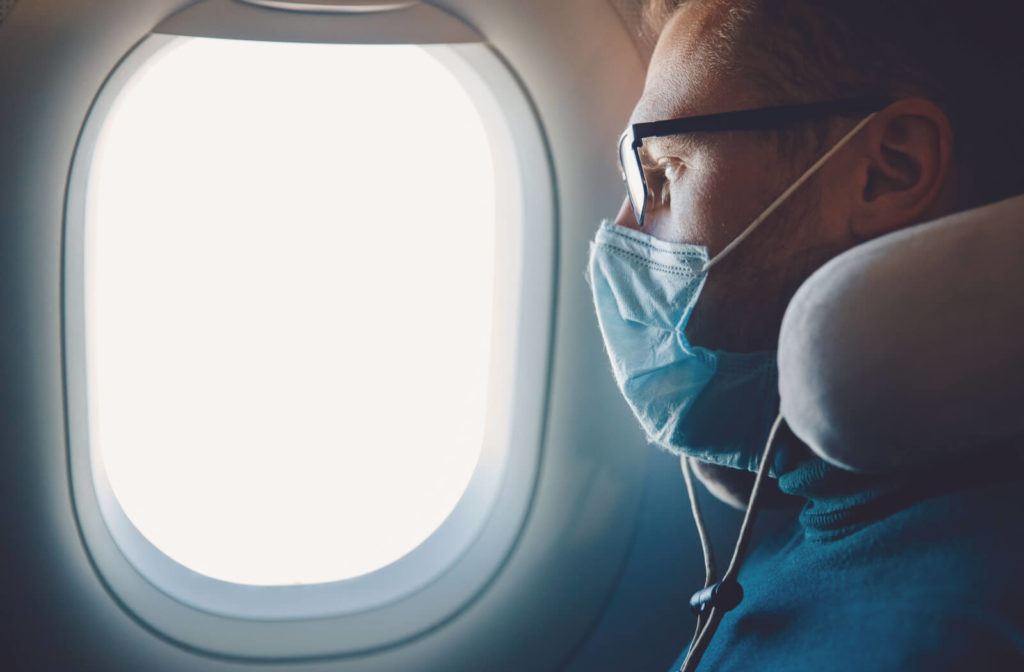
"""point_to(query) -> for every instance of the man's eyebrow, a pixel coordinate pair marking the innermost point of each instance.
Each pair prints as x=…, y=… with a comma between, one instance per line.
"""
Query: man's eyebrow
x=672, y=145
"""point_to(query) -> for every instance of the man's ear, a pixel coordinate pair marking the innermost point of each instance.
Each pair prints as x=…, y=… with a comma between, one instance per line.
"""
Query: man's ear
x=907, y=167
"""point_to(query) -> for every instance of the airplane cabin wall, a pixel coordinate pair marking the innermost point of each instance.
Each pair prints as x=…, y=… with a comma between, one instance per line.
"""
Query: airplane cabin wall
x=599, y=577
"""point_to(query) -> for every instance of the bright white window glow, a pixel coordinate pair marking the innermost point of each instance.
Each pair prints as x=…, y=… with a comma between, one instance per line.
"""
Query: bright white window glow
x=289, y=269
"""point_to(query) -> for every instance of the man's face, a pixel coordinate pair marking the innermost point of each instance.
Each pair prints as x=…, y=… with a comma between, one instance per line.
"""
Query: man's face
x=707, y=188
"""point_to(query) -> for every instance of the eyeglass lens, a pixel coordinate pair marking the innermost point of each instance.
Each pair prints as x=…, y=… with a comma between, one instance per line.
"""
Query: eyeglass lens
x=633, y=176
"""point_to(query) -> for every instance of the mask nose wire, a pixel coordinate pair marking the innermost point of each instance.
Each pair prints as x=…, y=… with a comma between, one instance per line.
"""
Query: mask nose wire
x=789, y=192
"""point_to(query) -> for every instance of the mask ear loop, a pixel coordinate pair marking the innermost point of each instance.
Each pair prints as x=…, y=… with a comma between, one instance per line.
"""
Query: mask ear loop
x=712, y=593
x=789, y=192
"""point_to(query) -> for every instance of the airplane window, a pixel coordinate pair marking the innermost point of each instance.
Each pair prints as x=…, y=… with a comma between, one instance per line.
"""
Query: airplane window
x=289, y=272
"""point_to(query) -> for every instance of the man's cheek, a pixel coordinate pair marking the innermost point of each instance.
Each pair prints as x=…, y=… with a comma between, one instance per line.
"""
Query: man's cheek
x=692, y=216
x=710, y=323
x=735, y=309
x=721, y=210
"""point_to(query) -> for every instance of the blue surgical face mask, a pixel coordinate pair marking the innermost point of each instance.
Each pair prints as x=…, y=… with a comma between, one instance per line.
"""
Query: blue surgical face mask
x=711, y=405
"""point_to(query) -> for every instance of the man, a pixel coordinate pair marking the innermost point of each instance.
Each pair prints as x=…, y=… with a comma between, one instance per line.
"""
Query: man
x=913, y=566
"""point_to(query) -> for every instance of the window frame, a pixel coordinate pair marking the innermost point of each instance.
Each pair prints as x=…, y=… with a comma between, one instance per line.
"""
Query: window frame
x=456, y=564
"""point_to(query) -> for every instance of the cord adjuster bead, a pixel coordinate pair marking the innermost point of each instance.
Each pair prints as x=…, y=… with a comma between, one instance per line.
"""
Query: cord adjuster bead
x=725, y=595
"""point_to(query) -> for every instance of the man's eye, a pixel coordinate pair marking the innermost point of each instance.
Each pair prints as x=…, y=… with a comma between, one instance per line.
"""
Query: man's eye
x=660, y=178
x=657, y=185
x=670, y=168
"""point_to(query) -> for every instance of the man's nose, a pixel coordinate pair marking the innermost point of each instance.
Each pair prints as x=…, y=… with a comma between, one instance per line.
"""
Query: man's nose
x=626, y=217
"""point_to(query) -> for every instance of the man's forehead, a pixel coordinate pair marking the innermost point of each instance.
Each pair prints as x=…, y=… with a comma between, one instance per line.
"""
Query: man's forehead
x=683, y=78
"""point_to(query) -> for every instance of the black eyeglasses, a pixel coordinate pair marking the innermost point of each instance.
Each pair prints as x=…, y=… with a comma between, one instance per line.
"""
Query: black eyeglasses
x=765, y=118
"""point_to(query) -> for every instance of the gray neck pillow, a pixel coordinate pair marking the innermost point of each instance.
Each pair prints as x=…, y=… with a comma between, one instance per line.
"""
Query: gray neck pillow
x=909, y=349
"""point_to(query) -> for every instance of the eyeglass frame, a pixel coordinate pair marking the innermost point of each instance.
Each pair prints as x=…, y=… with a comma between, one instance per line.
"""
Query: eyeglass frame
x=764, y=118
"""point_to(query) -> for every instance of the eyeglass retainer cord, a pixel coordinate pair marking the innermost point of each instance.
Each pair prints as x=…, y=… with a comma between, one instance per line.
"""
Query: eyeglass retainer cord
x=716, y=598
